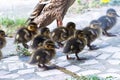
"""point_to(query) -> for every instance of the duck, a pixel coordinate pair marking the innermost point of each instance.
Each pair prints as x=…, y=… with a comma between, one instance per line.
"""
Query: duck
x=92, y=32
x=54, y=10
x=61, y=34
x=25, y=34
x=108, y=21
x=37, y=10
x=38, y=40
x=75, y=44
x=44, y=54
x=2, y=42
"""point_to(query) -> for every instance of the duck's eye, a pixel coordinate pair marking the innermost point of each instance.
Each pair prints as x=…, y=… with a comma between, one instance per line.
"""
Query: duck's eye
x=31, y=28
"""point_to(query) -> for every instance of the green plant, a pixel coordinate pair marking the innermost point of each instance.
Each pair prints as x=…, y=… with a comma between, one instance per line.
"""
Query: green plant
x=92, y=77
x=10, y=25
x=6, y=21
x=22, y=51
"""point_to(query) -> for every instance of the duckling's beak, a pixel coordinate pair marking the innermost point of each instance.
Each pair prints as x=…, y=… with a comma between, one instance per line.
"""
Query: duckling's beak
x=5, y=35
x=55, y=46
x=117, y=15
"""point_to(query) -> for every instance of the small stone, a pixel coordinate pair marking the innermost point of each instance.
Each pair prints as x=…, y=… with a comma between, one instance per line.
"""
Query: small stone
x=49, y=73
x=19, y=79
x=15, y=66
x=89, y=72
x=116, y=55
x=73, y=68
x=90, y=62
x=113, y=70
x=13, y=58
x=110, y=74
x=3, y=72
x=29, y=66
x=110, y=49
x=104, y=56
x=114, y=62
x=62, y=64
x=9, y=76
x=62, y=58
x=26, y=71
x=92, y=53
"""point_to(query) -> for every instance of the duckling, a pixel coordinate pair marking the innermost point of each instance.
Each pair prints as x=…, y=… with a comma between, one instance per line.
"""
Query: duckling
x=25, y=34
x=92, y=32
x=61, y=34
x=43, y=54
x=2, y=41
x=38, y=40
x=75, y=44
x=108, y=21
x=71, y=27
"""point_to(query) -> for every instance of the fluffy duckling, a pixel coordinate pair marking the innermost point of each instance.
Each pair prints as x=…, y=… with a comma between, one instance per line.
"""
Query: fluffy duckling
x=75, y=44
x=25, y=34
x=108, y=21
x=61, y=34
x=40, y=38
x=2, y=41
x=71, y=27
x=92, y=32
x=43, y=54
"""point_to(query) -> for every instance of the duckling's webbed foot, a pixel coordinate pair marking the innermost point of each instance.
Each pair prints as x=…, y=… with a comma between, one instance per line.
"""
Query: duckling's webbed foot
x=46, y=67
x=93, y=47
x=70, y=58
x=0, y=55
x=25, y=45
x=108, y=34
x=76, y=54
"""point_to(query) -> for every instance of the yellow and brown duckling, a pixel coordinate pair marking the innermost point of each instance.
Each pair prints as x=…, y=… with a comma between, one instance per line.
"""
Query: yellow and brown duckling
x=108, y=21
x=38, y=40
x=71, y=27
x=2, y=41
x=25, y=34
x=61, y=34
x=75, y=44
x=92, y=32
x=44, y=54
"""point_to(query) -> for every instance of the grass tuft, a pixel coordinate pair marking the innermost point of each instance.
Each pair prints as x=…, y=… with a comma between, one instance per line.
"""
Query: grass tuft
x=11, y=24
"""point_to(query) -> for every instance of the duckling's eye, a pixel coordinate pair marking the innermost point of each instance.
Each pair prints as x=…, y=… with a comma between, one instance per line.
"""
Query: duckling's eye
x=37, y=57
x=31, y=28
x=2, y=34
x=94, y=25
